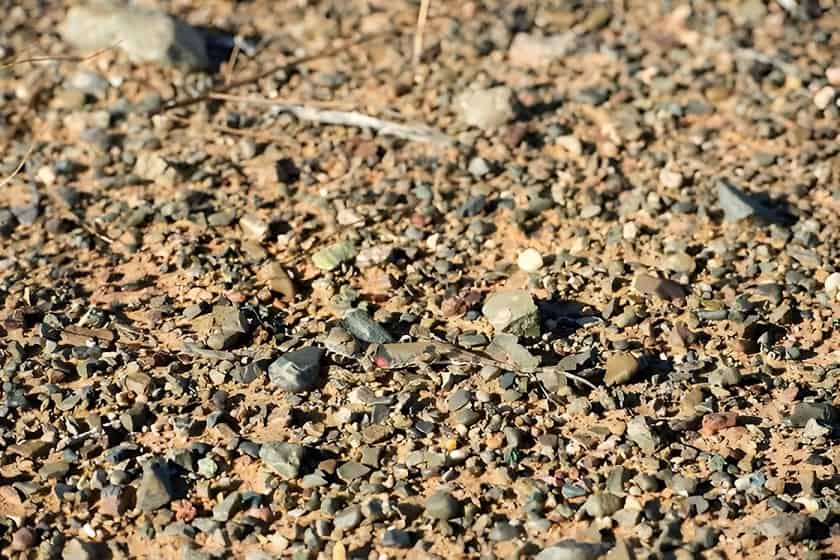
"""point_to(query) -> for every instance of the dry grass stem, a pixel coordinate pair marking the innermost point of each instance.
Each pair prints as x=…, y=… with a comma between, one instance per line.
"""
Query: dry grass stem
x=61, y=58
x=422, y=17
x=417, y=132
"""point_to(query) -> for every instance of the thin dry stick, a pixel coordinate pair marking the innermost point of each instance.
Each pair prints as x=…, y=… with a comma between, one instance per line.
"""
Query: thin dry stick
x=234, y=57
x=422, y=16
x=67, y=58
x=20, y=165
x=418, y=133
x=273, y=70
x=286, y=101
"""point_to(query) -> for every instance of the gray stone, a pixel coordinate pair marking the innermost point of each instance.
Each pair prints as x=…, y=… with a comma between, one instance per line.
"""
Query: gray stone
x=725, y=377
x=155, y=490
x=351, y=470
x=329, y=258
x=88, y=82
x=786, y=526
x=443, y=505
x=77, y=549
x=486, y=108
x=349, y=518
x=466, y=417
x=504, y=531
x=639, y=432
x=396, y=538
x=683, y=485
x=513, y=312
x=144, y=35
x=615, y=481
x=505, y=348
x=571, y=550
x=822, y=412
x=458, y=400
x=285, y=458
x=602, y=505
x=478, y=167
x=297, y=371
x=228, y=507
x=363, y=327
x=736, y=205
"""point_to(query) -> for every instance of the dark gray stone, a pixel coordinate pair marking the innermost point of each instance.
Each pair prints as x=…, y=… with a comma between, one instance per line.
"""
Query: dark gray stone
x=363, y=327
x=155, y=490
x=297, y=371
x=443, y=505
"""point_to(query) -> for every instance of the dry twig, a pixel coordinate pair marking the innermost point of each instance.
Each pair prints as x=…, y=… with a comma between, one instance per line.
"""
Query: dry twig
x=23, y=161
x=422, y=17
x=417, y=133
x=62, y=58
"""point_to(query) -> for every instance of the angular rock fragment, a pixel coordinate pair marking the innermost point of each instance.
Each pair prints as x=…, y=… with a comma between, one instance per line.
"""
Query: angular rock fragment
x=155, y=490
x=362, y=326
x=297, y=371
x=513, y=312
x=640, y=432
x=529, y=50
x=660, y=287
x=329, y=258
x=486, y=108
x=785, y=526
x=285, y=458
x=145, y=35
x=571, y=550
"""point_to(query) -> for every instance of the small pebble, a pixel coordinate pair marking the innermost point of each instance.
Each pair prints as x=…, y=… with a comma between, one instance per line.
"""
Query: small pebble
x=529, y=260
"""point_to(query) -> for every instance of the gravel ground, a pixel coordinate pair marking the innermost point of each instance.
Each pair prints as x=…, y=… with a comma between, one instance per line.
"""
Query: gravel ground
x=564, y=285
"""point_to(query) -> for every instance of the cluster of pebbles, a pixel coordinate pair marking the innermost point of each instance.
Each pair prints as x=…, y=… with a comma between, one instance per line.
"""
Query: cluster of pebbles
x=643, y=194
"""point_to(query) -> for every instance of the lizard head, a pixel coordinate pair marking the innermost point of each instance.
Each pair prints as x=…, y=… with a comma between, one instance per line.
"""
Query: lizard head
x=374, y=358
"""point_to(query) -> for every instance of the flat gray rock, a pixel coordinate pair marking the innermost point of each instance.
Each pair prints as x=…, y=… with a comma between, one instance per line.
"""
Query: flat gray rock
x=144, y=35
x=513, y=312
x=486, y=108
x=362, y=326
x=443, y=505
x=285, y=458
x=297, y=371
x=505, y=348
x=155, y=490
x=736, y=204
x=787, y=526
x=571, y=550
x=640, y=433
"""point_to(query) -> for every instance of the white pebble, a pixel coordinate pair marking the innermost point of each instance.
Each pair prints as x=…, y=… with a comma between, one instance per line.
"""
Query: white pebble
x=629, y=231
x=571, y=144
x=530, y=260
x=833, y=75
x=670, y=179
x=823, y=97
x=832, y=284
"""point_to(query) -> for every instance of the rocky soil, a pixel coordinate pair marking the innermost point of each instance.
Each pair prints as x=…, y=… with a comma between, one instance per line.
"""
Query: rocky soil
x=563, y=284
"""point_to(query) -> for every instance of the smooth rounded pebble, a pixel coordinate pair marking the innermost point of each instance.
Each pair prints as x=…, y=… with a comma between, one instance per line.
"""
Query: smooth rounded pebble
x=529, y=260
